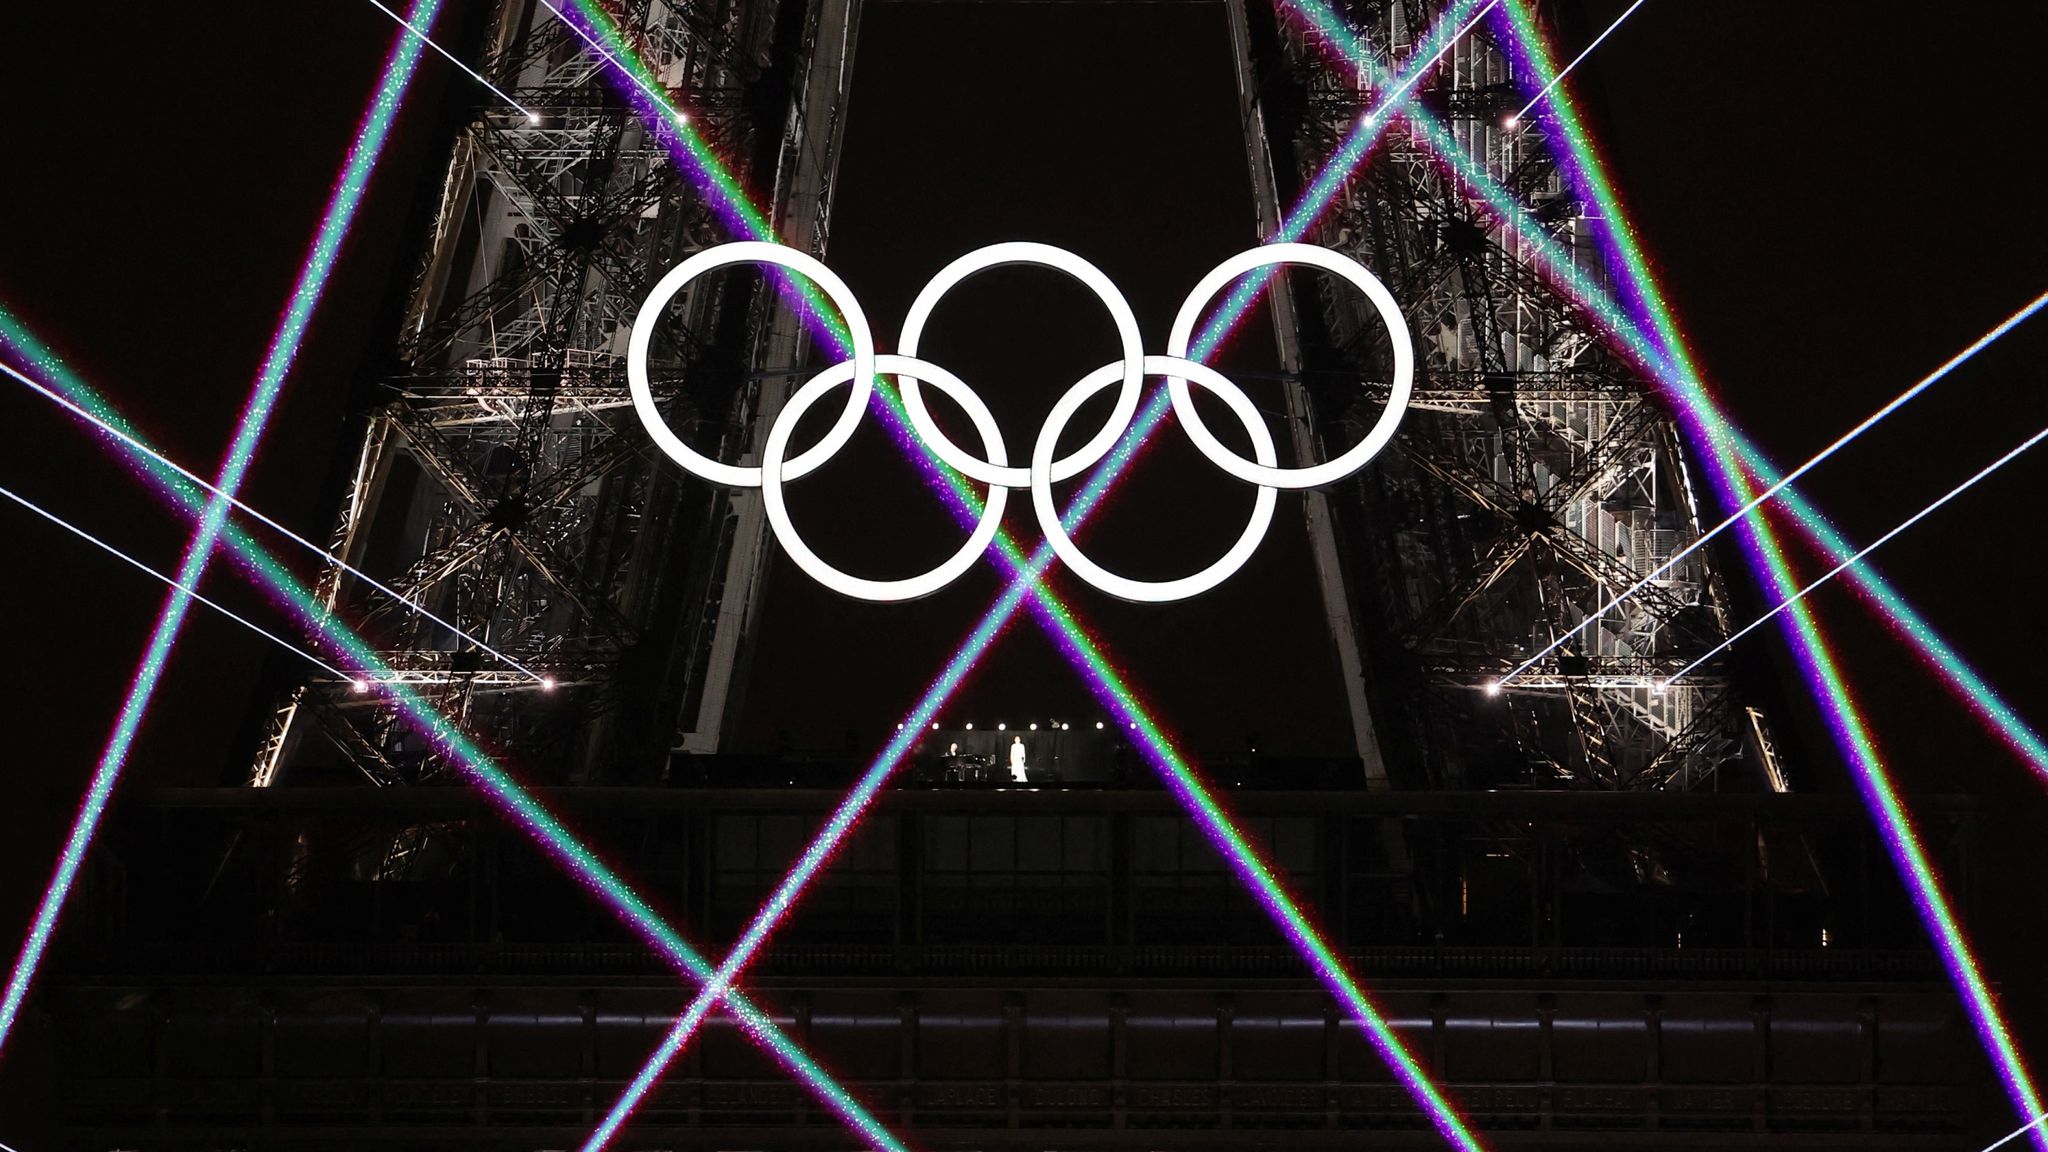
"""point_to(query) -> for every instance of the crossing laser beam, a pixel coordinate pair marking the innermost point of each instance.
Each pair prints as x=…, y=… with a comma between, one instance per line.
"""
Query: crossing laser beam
x=1559, y=78
x=1632, y=334
x=363, y=154
x=1072, y=639
x=2016, y=1133
x=1955, y=673
x=561, y=847
x=1724, y=467
x=1897, y=402
x=1651, y=337
x=1258, y=876
x=531, y=116
x=1867, y=549
x=1633, y=337
x=633, y=75
x=1322, y=191
x=132, y=562
x=524, y=810
x=129, y=439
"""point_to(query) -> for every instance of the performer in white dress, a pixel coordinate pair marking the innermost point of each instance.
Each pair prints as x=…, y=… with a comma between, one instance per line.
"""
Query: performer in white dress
x=1017, y=759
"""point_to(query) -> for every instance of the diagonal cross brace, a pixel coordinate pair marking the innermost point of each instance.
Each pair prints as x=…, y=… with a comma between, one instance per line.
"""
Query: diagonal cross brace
x=1096, y=669
x=521, y=806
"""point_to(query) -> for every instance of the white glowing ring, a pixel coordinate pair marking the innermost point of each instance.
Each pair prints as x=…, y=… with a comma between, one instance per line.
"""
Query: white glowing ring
x=1151, y=591
x=750, y=252
x=1397, y=331
x=859, y=371
x=1058, y=259
x=772, y=476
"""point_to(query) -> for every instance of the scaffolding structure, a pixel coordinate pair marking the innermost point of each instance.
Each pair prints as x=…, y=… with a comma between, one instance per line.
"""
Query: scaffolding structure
x=504, y=481
x=329, y=965
x=1535, y=477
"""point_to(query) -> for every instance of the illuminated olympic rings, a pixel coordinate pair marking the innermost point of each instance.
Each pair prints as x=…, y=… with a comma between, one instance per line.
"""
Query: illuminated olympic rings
x=993, y=468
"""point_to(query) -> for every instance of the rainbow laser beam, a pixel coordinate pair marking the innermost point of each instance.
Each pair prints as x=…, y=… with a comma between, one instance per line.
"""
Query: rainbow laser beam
x=1632, y=335
x=285, y=343
x=1847, y=726
x=1076, y=643
x=1978, y=694
x=1703, y=420
x=570, y=853
x=129, y=441
x=1579, y=164
x=1257, y=875
x=1897, y=402
x=1724, y=466
x=1866, y=550
x=521, y=807
x=442, y=732
x=166, y=578
x=1576, y=61
x=530, y=114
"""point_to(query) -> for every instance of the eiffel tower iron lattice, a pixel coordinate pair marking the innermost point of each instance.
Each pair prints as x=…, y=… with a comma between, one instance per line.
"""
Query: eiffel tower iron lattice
x=537, y=526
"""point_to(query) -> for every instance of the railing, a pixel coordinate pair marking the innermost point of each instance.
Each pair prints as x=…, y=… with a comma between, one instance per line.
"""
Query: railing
x=763, y=1107
x=213, y=959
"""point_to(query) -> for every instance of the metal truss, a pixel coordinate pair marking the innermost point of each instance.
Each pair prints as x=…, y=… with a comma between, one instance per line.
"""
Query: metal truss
x=1535, y=479
x=504, y=480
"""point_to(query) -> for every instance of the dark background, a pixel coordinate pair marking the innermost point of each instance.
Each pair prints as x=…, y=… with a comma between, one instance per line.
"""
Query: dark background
x=1836, y=202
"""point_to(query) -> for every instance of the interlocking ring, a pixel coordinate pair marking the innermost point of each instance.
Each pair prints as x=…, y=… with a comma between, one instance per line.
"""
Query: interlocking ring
x=785, y=529
x=994, y=468
x=725, y=255
x=1151, y=591
x=1329, y=471
x=1047, y=256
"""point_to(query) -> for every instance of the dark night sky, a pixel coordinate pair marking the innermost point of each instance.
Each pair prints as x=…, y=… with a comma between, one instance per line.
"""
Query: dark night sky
x=1836, y=203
